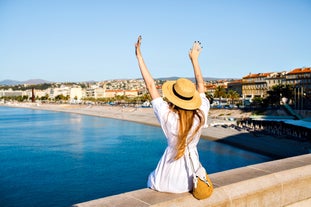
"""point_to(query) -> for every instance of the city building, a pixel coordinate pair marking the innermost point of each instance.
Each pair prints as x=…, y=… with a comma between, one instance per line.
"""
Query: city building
x=76, y=94
x=255, y=85
x=120, y=92
x=10, y=92
x=276, y=78
x=235, y=85
x=250, y=86
x=300, y=79
x=63, y=90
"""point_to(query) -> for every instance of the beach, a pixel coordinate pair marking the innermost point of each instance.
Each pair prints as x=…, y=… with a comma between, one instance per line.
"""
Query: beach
x=221, y=126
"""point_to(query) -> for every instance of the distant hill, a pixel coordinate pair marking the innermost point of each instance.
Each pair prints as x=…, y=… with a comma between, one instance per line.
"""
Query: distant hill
x=41, y=81
x=9, y=82
x=29, y=82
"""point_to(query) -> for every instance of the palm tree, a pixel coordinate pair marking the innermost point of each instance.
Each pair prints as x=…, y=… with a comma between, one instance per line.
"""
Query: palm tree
x=220, y=92
x=233, y=95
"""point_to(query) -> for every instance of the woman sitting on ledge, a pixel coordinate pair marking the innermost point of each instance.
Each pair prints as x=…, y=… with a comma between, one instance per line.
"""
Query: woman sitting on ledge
x=182, y=115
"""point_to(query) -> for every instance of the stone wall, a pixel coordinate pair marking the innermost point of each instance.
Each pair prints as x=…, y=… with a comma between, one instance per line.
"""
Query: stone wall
x=283, y=182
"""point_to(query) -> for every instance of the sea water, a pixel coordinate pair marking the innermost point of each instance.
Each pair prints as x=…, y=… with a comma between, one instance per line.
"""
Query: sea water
x=59, y=159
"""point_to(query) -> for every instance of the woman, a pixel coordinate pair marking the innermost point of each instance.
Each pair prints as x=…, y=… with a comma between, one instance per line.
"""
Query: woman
x=182, y=115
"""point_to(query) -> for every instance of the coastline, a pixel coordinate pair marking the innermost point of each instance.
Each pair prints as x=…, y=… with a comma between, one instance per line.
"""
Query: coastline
x=217, y=129
x=135, y=114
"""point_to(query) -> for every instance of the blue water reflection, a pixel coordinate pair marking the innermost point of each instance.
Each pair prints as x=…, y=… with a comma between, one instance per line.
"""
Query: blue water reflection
x=58, y=159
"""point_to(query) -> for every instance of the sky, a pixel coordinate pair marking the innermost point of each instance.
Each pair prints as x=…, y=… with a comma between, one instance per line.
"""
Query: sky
x=83, y=40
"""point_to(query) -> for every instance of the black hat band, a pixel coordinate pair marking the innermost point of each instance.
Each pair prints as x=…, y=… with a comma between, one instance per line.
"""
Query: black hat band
x=180, y=96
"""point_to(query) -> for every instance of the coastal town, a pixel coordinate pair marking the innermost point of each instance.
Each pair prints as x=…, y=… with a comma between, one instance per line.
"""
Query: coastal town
x=96, y=106
x=293, y=87
x=288, y=141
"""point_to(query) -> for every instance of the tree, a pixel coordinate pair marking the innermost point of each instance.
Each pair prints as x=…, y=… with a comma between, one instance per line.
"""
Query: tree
x=233, y=95
x=277, y=93
x=287, y=91
x=145, y=97
x=44, y=98
x=257, y=102
x=220, y=92
x=61, y=97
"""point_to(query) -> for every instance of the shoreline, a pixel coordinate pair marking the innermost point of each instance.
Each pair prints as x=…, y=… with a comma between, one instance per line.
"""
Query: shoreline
x=133, y=114
x=217, y=129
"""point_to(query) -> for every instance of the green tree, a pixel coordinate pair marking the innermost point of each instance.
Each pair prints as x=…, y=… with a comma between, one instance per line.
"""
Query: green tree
x=44, y=98
x=145, y=97
x=277, y=93
x=220, y=92
x=61, y=97
x=257, y=102
x=233, y=95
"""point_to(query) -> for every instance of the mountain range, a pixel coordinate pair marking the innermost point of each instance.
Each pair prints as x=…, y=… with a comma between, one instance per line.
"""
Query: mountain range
x=30, y=82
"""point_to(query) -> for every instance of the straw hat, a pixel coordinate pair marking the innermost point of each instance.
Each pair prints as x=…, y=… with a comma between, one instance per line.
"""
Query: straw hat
x=182, y=93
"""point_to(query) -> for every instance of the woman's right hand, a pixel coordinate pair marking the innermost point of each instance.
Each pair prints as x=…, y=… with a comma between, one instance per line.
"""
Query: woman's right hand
x=194, y=56
x=195, y=50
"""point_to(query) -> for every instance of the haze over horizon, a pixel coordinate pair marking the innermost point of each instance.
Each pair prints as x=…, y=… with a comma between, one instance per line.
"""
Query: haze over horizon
x=41, y=81
x=74, y=41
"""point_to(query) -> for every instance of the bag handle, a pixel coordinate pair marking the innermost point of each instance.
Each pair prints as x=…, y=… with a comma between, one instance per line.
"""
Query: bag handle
x=191, y=162
x=195, y=177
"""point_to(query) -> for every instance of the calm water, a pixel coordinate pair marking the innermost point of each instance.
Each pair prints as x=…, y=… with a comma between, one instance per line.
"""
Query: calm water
x=59, y=159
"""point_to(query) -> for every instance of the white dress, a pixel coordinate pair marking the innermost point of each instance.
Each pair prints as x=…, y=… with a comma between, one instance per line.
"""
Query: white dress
x=171, y=175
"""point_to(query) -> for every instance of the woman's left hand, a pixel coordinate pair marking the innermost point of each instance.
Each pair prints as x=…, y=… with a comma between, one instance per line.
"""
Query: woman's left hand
x=137, y=46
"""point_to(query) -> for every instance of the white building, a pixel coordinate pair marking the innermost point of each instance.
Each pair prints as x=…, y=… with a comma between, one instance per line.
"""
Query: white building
x=63, y=90
x=10, y=92
x=76, y=95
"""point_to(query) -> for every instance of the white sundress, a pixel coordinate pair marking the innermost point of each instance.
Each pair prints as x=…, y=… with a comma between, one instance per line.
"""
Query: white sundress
x=175, y=176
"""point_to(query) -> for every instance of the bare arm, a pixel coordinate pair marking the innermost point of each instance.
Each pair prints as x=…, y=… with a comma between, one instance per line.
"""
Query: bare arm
x=194, y=55
x=145, y=72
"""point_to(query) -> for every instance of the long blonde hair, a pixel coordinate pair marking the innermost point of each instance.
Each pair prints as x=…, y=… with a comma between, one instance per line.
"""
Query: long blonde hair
x=186, y=119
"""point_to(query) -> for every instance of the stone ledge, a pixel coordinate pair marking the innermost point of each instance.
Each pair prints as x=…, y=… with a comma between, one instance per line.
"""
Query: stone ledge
x=276, y=183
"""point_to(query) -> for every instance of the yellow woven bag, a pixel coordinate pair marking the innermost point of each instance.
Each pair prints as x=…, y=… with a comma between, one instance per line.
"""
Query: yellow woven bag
x=202, y=185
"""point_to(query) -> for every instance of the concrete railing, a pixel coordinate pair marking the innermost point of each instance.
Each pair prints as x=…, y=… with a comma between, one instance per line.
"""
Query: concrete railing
x=283, y=182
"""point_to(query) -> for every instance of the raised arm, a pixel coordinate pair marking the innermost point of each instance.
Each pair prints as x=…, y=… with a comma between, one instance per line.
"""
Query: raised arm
x=194, y=55
x=151, y=87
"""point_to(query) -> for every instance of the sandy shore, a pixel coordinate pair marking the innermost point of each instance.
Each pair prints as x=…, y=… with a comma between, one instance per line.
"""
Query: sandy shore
x=140, y=115
x=218, y=129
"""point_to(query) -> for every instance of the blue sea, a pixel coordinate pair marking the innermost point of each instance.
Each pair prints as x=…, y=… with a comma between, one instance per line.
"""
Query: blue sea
x=60, y=159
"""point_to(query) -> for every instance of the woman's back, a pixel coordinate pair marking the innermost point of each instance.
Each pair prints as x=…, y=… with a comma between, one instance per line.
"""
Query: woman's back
x=173, y=172
x=175, y=175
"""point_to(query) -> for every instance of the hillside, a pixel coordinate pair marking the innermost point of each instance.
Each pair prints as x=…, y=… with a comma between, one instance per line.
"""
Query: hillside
x=29, y=82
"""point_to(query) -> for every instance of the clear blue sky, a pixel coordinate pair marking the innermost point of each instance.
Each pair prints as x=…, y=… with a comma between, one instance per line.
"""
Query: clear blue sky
x=75, y=40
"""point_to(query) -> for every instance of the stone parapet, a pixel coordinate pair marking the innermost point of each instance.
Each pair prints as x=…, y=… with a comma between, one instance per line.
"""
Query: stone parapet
x=284, y=182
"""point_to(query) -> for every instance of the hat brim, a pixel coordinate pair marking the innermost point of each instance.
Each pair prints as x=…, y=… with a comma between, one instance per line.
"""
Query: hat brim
x=192, y=104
